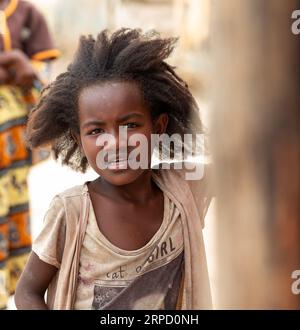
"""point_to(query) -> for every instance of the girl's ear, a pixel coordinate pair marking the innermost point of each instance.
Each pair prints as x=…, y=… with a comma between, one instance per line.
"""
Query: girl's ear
x=161, y=123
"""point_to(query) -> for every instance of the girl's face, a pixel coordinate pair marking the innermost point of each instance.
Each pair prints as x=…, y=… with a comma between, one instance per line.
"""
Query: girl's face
x=103, y=109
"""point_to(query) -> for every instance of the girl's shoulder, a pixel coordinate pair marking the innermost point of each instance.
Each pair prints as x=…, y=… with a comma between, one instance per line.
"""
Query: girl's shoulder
x=75, y=191
x=191, y=172
x=190, y=183
x=69, y=201
x=60, y=225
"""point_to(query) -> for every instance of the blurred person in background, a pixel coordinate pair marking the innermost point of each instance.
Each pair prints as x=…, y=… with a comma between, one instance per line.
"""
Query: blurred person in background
x=26, y=49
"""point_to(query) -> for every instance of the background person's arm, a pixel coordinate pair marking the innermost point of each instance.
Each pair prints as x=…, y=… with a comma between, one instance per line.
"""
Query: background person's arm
x=16, y=69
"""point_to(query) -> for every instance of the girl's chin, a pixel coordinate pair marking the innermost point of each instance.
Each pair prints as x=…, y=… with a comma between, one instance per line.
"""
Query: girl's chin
x=120, y=177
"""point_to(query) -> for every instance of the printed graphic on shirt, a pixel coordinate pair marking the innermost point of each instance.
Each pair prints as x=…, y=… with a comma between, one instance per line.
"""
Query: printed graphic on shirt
x=106, y=291
x=157, y=289
x=162, y=253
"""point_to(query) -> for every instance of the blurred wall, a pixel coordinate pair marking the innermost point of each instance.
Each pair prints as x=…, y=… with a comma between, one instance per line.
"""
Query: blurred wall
x=187, y=19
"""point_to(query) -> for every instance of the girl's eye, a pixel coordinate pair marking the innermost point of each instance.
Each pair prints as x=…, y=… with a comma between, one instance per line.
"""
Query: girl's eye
x=131, y=125
x=96, y=131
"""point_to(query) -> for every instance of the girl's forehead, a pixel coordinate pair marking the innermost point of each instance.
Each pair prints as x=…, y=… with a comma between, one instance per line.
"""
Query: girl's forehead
x=111, y=99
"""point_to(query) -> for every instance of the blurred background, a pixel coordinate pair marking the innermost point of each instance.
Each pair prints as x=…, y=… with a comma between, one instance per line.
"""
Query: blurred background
x=241, y=61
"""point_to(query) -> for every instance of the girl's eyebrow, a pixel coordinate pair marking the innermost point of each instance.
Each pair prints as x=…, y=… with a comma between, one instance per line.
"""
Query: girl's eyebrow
x=130, y=115
x=120, y=119
x=92, y=122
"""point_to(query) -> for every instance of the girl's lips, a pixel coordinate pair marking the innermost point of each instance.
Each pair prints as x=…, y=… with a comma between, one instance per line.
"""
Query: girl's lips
x=118, y=165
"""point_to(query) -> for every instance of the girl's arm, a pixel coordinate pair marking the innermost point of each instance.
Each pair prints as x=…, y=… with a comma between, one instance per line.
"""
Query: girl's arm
x=33, y=284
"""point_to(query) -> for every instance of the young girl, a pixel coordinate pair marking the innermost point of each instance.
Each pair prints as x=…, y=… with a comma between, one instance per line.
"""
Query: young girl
x=131, y=239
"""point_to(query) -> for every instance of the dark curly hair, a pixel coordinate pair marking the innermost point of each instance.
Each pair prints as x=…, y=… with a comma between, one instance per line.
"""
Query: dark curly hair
x=125, y=55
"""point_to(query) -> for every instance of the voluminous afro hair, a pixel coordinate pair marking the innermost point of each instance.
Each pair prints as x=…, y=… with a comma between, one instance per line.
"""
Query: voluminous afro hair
x=126, y=55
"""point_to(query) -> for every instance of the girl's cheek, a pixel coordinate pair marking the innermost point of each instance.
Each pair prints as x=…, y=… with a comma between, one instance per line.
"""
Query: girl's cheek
x=89, y=146
x=91, y=140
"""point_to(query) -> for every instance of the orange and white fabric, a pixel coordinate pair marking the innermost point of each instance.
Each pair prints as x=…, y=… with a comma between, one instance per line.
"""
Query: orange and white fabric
x=21, y=27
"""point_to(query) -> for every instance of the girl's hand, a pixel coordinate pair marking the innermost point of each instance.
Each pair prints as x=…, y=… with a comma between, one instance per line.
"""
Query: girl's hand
x=19, y=68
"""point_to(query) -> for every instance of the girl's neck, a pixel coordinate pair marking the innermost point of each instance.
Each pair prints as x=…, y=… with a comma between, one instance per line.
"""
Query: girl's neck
x=137, y=192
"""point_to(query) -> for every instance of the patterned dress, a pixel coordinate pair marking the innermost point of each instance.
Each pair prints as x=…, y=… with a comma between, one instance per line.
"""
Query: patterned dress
x=22, y=27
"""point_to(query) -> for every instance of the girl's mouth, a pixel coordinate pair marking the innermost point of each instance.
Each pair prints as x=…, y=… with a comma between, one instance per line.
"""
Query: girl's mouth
x=120, y=164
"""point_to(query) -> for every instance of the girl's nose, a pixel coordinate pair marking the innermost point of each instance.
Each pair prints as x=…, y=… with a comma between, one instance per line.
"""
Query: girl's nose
x=114, y=139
